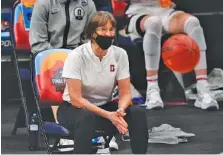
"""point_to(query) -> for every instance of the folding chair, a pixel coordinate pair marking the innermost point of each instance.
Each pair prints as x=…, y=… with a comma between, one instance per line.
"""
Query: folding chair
x=21, y=16
x=48, y=85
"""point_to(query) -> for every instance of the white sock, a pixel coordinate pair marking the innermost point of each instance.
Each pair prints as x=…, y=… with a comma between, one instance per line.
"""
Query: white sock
x=201, y=78
x=151, y=42
x=153, y=78
x=202, y=84
x=152, y=81
x=202, y=63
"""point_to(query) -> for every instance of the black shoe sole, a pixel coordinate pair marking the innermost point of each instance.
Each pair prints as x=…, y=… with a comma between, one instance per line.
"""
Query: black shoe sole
x=212, y=108
x=156, y=108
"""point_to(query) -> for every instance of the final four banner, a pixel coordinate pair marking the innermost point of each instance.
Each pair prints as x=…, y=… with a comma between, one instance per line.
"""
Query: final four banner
x=48, y=74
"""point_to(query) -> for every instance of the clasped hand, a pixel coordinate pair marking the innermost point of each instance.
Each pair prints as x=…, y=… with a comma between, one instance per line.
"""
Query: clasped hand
x=117, y=119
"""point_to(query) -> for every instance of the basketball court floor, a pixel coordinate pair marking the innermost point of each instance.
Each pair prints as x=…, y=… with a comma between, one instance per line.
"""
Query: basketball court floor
x=206, y=125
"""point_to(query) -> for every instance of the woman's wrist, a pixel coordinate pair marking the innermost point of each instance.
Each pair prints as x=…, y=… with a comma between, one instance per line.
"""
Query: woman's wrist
x=124, y=104
x=121, y=108
x=108, y=115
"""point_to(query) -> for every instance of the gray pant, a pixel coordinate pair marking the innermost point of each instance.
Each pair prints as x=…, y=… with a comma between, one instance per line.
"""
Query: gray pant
x=83, y=124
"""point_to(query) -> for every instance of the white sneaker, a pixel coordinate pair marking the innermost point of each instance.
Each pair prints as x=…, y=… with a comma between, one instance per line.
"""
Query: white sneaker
x=64, y=142
x=206, y=102
x=103, y=151
x=153, y=99
x=113, y=144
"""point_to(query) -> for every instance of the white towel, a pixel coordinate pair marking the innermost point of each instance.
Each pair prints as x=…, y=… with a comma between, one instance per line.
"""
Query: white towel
x=166, y=130
x=165, y=134
x=168, y=134
x=167, y=140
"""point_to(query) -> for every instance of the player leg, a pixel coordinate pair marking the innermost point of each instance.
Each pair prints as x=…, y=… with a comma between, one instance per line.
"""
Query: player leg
x=150, y=28
x=180, y=22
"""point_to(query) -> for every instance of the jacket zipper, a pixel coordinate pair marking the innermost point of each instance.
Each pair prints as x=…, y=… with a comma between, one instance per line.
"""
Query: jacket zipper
x=67, y=27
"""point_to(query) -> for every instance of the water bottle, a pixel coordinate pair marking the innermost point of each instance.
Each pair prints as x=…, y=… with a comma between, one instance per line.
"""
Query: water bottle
x=34, y=132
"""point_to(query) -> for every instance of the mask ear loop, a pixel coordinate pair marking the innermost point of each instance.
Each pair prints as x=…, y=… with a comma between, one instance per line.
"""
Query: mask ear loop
x=92, y=36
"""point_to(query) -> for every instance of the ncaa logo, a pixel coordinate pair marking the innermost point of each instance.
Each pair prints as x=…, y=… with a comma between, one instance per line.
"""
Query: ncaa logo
x=79, y=13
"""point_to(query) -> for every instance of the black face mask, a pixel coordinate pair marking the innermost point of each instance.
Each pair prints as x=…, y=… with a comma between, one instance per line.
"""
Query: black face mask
x=104, y=42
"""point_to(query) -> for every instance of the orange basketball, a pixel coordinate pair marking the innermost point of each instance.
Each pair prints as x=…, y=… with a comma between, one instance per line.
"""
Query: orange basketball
x=180, y=53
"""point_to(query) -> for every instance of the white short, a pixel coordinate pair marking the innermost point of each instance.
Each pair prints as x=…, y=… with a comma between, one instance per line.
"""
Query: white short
x=165, y=15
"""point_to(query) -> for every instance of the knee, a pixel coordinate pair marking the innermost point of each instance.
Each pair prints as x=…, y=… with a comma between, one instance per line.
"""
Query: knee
x=195, y=31
x=153, y=24
x=191, y=23
x=136, y=117
x=137, y=111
